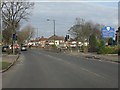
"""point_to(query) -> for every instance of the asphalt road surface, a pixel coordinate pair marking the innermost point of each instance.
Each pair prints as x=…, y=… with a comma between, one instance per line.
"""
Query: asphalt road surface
x=41, y=69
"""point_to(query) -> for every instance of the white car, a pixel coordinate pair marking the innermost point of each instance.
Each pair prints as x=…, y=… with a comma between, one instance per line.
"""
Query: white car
x=73, y=45
x=23, y=48
x=62, y=46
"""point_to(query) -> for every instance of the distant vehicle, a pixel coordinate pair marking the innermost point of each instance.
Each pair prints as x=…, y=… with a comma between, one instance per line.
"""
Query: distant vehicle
x=62, y=46
x=5, y=48
x=73, y=45
x=16, y=46
x=23, y=48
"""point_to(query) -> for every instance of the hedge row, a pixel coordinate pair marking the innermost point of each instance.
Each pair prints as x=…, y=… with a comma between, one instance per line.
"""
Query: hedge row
x=108, y=50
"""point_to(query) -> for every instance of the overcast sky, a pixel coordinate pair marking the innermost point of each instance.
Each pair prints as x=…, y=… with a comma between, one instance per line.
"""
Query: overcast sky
x=65, y=13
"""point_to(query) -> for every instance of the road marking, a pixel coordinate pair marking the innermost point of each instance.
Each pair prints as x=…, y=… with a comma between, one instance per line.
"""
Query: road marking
x=92, y=72
x=71, y=64
x=83, y=69
x=54, y=57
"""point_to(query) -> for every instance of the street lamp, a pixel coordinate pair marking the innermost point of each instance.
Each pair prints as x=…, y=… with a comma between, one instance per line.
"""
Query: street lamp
x=53, y=28
x=1, y=28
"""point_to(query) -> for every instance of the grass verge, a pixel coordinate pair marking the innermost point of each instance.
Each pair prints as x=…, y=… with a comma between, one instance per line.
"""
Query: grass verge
x=4, y=65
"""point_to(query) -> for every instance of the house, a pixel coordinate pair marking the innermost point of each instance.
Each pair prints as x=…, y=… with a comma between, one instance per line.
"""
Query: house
x=33, y=42
x=73, y=43
x=57, y=40
x=43, y=42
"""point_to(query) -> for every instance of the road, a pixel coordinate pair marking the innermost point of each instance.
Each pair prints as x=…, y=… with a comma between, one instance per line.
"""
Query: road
x=41, y=69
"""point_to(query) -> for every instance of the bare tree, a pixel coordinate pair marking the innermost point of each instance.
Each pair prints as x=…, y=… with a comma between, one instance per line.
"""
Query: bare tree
x=13, y=13
x=26, y=34
x=82, y=30
x=7, y=36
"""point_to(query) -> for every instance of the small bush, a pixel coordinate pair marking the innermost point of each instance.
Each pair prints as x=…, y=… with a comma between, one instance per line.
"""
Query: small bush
x=119, y=50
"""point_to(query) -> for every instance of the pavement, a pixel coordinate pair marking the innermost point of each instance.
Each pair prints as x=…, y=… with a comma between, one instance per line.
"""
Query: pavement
x=107, y=57
x=9, y=58
x=42, y=69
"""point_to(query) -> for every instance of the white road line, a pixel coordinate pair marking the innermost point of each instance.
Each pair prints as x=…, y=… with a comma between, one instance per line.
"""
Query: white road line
x=83, y=69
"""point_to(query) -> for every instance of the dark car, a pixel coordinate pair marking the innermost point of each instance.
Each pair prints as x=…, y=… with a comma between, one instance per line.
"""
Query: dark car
x=5, y=48
x=23, y=48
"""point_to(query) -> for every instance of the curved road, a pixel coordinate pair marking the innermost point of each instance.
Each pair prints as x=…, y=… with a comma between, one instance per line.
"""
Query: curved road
x=41, y=69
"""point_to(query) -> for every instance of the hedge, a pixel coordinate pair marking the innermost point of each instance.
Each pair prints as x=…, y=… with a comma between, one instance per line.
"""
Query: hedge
x=108, y=50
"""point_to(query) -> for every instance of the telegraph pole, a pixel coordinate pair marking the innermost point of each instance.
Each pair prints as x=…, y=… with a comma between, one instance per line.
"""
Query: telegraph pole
x=37, y=32
x=53, y=28
x=54, y=31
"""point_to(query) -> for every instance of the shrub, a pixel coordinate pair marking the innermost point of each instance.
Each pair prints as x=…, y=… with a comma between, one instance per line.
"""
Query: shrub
x=108, y=50
x=93, y=43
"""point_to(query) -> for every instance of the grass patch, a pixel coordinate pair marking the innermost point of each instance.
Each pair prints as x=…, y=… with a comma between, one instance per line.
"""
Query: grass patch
x=4, y=65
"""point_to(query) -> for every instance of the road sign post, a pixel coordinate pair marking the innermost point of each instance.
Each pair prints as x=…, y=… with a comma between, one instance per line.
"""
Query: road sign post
x=14, y=38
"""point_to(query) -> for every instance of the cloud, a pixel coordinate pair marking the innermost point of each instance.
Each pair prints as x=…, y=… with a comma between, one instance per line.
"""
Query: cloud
x=75, y=0
x=65, y=13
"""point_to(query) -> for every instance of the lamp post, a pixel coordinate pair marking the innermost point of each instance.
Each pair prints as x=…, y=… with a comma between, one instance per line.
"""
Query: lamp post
x=1, y=28
x=53, y=28
x=37, y=32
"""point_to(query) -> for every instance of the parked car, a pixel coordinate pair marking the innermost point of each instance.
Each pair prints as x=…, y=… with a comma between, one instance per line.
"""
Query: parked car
x=23, y=48
x=5, y=48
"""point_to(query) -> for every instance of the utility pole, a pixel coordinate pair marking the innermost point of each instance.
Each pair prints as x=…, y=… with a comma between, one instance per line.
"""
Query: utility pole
x=36, y=29
x=53, y=28
x=1, y=21
x=1, y=28
x=54, y=31
x=37, y=32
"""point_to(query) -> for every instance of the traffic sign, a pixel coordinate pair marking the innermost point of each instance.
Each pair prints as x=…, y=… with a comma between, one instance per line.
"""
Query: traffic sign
x=108, y=32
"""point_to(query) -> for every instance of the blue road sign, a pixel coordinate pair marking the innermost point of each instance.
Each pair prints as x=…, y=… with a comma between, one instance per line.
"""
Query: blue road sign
x=108, y=32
